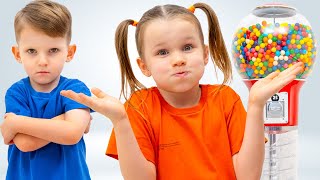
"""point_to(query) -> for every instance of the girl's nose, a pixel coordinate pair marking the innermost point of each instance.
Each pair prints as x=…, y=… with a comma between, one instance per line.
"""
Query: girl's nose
x=179, y=63
x=179, y=60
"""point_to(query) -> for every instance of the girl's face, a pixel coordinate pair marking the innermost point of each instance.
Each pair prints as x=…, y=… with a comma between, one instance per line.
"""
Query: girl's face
x=173, y=54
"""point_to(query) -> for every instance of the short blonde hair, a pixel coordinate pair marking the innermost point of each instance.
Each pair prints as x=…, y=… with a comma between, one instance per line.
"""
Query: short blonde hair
x=46, y=16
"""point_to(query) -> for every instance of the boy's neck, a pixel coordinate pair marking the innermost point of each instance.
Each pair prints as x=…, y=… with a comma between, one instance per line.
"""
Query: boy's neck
x=45, y=88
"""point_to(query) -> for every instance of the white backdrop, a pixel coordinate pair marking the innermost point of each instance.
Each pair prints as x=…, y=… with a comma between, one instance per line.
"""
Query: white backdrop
x=95, y=63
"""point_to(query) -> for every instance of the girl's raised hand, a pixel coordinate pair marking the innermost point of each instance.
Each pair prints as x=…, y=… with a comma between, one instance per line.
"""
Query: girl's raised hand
x=263, y=89
x=106, y=105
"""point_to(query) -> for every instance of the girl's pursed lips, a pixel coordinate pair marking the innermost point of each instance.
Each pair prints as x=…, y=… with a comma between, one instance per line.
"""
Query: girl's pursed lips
x=181, y=73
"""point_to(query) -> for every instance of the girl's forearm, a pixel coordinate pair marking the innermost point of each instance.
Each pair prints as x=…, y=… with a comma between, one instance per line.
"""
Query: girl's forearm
x=251, y=155
x=133, y=164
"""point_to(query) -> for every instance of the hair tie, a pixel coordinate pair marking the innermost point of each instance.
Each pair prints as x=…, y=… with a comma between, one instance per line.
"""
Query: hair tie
x=192, y=9
x=134, y=23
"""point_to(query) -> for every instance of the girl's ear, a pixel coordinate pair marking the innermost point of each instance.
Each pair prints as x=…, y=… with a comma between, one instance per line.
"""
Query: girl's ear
x=143, y=67
x=71, y=51
x=16, y=53
x=206, y=54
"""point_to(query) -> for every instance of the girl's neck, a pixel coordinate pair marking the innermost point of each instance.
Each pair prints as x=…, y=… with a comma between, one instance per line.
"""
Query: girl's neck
x=184, y=99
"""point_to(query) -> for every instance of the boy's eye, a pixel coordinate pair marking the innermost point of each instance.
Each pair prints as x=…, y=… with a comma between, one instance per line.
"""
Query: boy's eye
x=163, y=52
x=31, y=51
x=188, y=47
x=53, y=50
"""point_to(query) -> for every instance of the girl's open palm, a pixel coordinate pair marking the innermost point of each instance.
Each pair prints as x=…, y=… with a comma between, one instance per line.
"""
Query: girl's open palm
x=102, y=103
x=263, y=89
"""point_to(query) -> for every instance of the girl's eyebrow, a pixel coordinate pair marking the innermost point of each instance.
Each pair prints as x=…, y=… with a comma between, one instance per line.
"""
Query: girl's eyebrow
x=189, y=38
x=163, y=43
x=159, y=44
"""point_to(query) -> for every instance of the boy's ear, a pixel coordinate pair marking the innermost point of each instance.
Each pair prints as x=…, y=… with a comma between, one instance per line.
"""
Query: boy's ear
x=206, y=54
x=143, y=67
x=16, y=53
x=71, y=51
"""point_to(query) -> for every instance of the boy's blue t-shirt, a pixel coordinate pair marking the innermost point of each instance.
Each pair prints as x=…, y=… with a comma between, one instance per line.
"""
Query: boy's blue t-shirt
x=53, y=161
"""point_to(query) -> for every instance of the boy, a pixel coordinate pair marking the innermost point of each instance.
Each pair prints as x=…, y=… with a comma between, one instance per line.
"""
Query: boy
x=44, y=129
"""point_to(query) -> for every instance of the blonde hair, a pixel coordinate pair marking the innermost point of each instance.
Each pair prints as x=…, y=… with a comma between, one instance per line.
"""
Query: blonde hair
x=49, y=17
x=217, y=47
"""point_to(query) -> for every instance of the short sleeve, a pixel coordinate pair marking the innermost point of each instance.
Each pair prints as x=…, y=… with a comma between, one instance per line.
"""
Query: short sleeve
x=78, y=87
x=16, y=103
x=236, y=122
x=143, y=133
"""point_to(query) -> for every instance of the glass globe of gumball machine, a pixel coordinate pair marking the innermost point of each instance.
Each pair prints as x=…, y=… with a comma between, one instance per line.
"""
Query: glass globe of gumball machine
x=271, y=38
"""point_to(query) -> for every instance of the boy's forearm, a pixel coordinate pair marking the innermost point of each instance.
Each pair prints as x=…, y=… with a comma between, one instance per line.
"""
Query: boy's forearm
x=26, y=143
x=57, y=131
x=251, y=155
x=133, y=164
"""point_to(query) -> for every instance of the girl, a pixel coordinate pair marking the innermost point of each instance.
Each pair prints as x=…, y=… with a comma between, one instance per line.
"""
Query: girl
x=182, y=129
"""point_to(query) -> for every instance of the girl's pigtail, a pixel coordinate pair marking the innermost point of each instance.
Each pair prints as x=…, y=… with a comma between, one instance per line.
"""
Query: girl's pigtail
x=217, y=46
x=127, y=75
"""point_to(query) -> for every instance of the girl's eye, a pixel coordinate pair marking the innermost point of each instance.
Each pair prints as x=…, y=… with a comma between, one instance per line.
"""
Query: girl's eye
x=53, y=50
x=163, y=52
x=188, y=47
x=31, y=51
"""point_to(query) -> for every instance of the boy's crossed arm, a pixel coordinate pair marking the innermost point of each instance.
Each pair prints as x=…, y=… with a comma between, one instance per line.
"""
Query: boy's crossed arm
x=27, y=143
x=66, y=130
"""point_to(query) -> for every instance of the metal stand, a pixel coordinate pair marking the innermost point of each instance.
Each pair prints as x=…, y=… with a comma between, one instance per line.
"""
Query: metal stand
x=280, y=153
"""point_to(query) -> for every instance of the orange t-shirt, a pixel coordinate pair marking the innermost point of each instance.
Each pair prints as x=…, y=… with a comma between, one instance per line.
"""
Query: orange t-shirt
x=189, y=143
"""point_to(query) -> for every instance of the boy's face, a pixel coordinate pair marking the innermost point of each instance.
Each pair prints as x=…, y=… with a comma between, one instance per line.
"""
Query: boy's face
x=43, y=57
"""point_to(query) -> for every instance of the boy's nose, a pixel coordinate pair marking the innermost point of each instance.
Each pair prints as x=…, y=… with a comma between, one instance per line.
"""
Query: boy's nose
x=43, y=60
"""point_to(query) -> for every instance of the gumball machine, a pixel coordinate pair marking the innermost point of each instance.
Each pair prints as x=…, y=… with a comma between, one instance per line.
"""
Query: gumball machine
x=271, y=38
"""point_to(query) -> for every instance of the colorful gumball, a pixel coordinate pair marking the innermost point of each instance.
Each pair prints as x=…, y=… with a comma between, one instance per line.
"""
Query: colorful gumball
x=280, y=41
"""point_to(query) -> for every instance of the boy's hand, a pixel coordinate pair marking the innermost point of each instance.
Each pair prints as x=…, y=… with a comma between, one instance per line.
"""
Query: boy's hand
x=62, y=117
x=11, y=142
x=102, y=103
x=263, y=89
x=7, y=128
x=88, y=127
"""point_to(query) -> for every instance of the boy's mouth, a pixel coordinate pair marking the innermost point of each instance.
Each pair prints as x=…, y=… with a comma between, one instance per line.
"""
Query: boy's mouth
x=43, y=72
